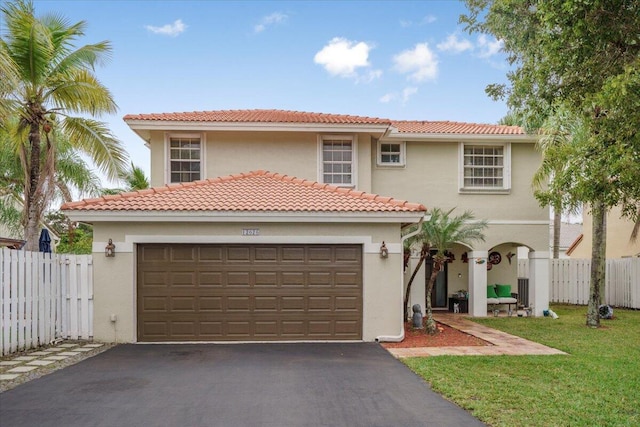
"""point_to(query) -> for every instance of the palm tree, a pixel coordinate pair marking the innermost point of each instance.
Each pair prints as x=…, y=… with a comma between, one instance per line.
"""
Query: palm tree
x=440, y=233
x=133, y=178
x=55, y=82
x=72, y=176
x=557, y=133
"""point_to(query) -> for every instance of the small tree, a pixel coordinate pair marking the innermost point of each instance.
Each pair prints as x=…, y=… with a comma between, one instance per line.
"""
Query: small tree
x=440, y=233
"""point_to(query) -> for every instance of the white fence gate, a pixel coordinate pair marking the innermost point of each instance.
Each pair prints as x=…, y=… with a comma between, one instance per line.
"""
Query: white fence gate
x=44, y=297
x=570, y=280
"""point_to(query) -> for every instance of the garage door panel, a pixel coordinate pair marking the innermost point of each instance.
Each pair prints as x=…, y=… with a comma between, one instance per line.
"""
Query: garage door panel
x=292, y=279
x=239, y=303
x=319, y=279
x=210, y=304
x=209, y=279
x=210, y=254
x=249, y=292
x=239, y=254
x=238, y=279
x=266, y=254
x=183, y=253
x=348, y=255
x=320, y=254
x=184, y=304
x=266, y=303
x=158, y=304
x=293, y=254
x=266, y=278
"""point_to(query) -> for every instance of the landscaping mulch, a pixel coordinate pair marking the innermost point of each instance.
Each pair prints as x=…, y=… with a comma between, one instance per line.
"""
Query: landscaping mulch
x=446, y=337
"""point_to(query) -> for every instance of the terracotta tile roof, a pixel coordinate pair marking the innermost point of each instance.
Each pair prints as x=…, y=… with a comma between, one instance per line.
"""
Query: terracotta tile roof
x=446, y=127
x=254, y=191
x=258, y=116
x=285, y=116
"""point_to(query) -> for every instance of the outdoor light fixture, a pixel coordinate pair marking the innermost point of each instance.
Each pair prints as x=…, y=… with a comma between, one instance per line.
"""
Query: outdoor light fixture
x=110, y=249
x=384, y=252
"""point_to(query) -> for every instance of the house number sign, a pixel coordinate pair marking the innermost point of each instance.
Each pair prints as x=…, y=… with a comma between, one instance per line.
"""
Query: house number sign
x=250, y=231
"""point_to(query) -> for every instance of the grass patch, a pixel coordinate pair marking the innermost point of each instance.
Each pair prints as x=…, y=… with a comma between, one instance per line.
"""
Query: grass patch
x=597, y=384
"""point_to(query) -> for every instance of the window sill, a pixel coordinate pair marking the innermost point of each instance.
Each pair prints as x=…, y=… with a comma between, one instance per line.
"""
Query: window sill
x=390, y=165
x=500, y=191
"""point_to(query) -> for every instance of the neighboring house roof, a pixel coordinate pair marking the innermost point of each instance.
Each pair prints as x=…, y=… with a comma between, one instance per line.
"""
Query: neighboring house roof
x=256, y=191
x=446, y=127
x=568, y=234
x=12, y=243
x=290, y=118
x=575, y=244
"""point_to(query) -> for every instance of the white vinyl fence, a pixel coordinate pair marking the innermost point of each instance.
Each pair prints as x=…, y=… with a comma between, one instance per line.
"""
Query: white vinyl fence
x=43, y=298
x=570, y=280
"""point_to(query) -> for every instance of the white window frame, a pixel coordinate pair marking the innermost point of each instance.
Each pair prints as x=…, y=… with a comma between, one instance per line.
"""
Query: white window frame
x=506, y=169
x=167, y=153
x=354, y=158
x=402, y=152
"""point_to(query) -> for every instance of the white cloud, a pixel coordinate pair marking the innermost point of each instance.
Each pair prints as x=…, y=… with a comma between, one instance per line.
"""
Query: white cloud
x=429, y=19
x=273, y=19
x=369, y=76
x=420, y=63
x=455, y=45
x=386, y=98
x=172, y=30
x=488, y=47
x=342, y=57
x=407, y=93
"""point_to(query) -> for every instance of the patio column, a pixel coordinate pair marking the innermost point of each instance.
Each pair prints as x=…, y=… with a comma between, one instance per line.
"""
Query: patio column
x=539, y=281
x=478, y=283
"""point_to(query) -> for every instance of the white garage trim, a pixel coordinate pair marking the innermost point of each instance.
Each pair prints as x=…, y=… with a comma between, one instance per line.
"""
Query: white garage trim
x=367, y=242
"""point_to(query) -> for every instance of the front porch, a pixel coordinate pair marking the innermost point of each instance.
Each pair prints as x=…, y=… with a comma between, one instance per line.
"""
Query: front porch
x=470, y=272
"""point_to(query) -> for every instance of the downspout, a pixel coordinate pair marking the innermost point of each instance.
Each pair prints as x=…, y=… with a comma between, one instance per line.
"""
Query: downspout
x=400, y=336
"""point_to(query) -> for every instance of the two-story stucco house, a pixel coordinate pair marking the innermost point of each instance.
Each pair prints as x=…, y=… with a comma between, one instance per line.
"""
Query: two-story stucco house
x=282, y=225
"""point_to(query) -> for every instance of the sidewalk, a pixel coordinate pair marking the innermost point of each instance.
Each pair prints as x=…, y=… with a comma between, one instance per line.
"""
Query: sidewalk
x=501, y=342
x=21, y=367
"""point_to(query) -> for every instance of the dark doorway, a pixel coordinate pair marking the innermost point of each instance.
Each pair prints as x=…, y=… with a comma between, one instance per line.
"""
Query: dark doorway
x=439, y=291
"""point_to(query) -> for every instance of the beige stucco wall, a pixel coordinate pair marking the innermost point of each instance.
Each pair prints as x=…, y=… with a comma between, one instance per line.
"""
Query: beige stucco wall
x=618, y=233
x=289, y=153
x=114, y=278
x=431, y=177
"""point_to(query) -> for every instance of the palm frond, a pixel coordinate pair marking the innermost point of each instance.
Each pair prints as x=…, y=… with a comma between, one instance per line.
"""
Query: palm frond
x=96, y=140
x=81, y=92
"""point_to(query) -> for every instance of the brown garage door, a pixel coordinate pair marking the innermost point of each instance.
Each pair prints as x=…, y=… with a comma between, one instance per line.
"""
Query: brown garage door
x=249, y=292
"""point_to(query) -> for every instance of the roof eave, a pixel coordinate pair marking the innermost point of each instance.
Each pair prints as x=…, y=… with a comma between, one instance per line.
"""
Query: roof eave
x=394, y=135
x=199, y=126
x=92, y=216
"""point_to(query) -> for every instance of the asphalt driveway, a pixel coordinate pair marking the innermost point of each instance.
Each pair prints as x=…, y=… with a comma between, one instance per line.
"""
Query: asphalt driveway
x=232, y=385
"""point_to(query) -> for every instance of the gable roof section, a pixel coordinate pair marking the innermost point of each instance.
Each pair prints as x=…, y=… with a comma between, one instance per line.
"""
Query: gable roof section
x=250, y=193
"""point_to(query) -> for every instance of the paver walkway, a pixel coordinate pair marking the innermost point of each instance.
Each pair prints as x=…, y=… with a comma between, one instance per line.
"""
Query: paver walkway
x=501, y=342
x=12, y=368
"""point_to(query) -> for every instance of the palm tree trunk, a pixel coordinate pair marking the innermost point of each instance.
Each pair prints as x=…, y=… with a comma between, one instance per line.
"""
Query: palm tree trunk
x=423, y=255
x=32, y=209
x=598, y=262
x=430, y=323
x=557, y=221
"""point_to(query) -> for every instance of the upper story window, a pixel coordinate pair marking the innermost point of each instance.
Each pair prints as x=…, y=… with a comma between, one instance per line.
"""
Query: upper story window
x=337, y=160
x=485, y=168
x=391, y=153
x=185, y=157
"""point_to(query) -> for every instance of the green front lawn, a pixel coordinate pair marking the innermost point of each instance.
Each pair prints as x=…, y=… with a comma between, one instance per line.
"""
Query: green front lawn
x=597, y=384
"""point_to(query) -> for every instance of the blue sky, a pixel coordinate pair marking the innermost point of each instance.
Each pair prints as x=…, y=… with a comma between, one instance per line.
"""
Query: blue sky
x=397, y=60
